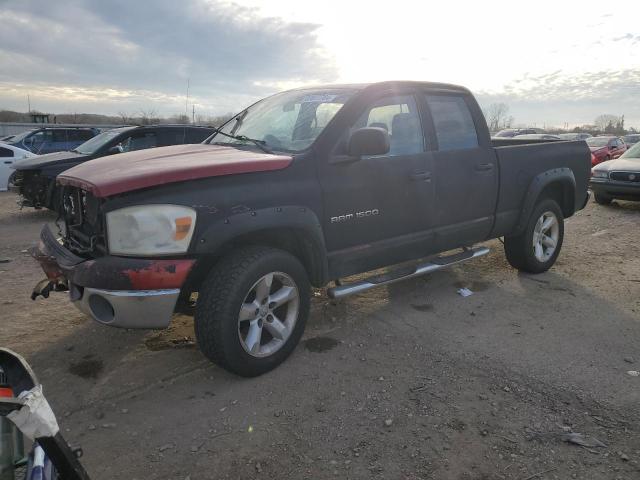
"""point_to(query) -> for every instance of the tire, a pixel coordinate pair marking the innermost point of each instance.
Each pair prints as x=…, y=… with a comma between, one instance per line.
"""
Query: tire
x=602, y=199
x=227, y=333
x=525, y=255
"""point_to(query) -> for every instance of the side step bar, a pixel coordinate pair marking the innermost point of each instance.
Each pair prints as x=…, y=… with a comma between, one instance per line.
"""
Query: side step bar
x=437, y=263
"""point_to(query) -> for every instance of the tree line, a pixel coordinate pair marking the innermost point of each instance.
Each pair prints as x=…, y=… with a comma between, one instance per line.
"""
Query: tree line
x=498, y=118
x=140, y=117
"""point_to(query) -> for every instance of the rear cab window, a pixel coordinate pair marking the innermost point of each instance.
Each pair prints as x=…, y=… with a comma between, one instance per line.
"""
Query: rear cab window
x=453, y=122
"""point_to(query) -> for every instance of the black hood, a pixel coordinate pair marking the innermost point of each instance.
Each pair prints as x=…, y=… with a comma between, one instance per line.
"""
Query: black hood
x=47, y=160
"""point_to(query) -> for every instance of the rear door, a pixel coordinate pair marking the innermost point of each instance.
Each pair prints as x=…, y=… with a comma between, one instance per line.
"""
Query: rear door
x=465, y=171
x=376, y=207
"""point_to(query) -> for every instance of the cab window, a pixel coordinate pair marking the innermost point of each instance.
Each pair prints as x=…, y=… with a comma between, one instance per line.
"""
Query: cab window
x=453, y=122
x=398, y=115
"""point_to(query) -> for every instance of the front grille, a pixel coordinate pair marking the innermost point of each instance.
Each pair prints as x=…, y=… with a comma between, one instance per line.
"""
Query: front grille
x=625, y=176
x=83, y=222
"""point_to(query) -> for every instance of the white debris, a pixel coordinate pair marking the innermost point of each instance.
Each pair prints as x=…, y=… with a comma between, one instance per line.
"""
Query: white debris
x=465, y=292
x=35, y=419
x=633, y=373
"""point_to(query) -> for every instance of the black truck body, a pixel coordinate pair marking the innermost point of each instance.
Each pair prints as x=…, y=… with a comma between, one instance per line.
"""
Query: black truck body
x=400, y=172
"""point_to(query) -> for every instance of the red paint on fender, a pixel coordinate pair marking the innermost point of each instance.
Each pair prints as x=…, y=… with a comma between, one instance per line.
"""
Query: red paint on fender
x=130, y=171
x=160, y=274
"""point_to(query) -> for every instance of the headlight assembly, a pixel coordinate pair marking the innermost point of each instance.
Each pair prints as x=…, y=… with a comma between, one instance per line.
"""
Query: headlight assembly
x=149, y=230
x=600, y=173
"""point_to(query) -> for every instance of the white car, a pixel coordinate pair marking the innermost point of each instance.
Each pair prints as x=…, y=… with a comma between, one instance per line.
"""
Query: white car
x=8, y=155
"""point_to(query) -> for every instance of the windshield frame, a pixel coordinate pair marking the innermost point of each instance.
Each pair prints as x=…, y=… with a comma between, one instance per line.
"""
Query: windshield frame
x=217, y=137
x=605, y=139
x=106, y=133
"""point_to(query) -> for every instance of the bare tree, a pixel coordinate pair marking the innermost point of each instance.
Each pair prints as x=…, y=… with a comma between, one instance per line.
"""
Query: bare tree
x=497, y=115
x=125, y=117
x=602, y=122
x=180, y=118
x=149, y=117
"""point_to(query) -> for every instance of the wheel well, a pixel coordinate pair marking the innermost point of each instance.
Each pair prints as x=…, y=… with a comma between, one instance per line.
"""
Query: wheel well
x=292, y=240
x=563, y=194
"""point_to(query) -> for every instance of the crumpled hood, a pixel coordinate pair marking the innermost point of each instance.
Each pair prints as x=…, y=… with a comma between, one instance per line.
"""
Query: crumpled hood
x=40, y=161
x=130, y=171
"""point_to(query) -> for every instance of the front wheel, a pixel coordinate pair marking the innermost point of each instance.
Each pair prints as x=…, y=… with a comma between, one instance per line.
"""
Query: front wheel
x=536, y=249
x=602, y=199
x=252, y=310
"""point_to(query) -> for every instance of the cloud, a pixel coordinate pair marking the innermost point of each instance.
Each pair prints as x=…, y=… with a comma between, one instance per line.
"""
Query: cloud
x=152, y=47
x=556, y=98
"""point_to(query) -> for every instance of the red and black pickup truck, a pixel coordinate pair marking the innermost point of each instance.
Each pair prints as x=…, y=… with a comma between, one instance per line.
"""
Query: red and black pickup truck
x=301, y=189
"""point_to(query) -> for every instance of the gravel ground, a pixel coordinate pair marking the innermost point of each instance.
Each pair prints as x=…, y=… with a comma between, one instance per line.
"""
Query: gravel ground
x=408, y=381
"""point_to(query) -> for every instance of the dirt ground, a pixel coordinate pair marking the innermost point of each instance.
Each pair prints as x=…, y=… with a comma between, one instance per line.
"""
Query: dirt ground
x=410, y=381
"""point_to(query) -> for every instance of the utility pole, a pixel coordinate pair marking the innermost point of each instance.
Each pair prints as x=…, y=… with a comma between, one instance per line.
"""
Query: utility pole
x=186, y=102
x=28, y=104
x=193, y=114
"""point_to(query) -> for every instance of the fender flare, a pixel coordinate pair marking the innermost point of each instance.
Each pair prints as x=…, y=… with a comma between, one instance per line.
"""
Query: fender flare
x=302, y=219
x=563, y=176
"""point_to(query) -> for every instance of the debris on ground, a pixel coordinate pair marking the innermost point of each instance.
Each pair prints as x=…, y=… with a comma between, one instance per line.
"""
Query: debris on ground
x=464, y=292
x=628, y=359
x=633, y=373
x=582, y=440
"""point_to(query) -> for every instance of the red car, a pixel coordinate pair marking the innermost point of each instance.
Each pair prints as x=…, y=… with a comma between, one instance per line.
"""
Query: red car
x=605, y=148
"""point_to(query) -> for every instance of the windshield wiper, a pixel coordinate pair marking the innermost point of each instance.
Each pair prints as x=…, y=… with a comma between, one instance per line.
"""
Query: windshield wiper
x=261, y=144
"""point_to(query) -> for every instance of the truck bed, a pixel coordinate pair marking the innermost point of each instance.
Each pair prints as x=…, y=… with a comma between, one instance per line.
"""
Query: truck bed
x=520, y=161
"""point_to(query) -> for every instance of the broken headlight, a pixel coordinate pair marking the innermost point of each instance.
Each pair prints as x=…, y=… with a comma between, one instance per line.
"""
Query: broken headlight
x=149, y=230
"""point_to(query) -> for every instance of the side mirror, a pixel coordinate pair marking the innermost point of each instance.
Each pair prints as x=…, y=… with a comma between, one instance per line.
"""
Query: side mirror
x=368, y=141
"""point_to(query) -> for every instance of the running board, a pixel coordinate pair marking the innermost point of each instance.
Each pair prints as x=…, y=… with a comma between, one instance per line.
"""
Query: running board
x=404, y=273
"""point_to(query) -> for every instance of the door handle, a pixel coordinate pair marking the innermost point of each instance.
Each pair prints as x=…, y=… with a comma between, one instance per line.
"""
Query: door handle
x=8, y=162
x=420, y=176
x=484, y=167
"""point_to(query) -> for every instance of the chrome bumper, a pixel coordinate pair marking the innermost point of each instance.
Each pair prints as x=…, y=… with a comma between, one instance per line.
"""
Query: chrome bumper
x=127, y=308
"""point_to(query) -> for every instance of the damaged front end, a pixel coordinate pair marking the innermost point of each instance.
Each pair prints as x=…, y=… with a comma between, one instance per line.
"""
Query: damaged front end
x=116, y=291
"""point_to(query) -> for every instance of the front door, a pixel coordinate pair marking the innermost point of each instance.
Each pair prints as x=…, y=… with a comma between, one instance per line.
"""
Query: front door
x=375, y=208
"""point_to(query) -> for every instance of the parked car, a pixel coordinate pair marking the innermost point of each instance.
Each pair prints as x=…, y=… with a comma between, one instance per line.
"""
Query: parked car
x=8, y=156
x=574, y=136
x=606, y=148
x=52, y=139
x=35, y=178
x=512, y=132
x=617, y=178
x=537, y=136
x=631, y=139
x=301, y=188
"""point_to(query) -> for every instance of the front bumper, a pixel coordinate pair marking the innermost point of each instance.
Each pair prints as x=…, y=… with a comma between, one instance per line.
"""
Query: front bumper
x=116, y=291
x=613, y=188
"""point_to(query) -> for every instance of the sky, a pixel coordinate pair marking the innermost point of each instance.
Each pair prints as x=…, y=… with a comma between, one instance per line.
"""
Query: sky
x=552, y=62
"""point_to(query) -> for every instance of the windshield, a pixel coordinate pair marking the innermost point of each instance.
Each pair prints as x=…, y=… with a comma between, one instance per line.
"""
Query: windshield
x=598, y=141
x=506, y=133
x=94, y=144
x=21, y=136
x=288, y=121
x=633, y=152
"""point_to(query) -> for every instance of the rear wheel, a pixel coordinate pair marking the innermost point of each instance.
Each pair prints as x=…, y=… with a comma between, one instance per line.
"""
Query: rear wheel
x=252, y=310
x=536, y=249
x=602, y=199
